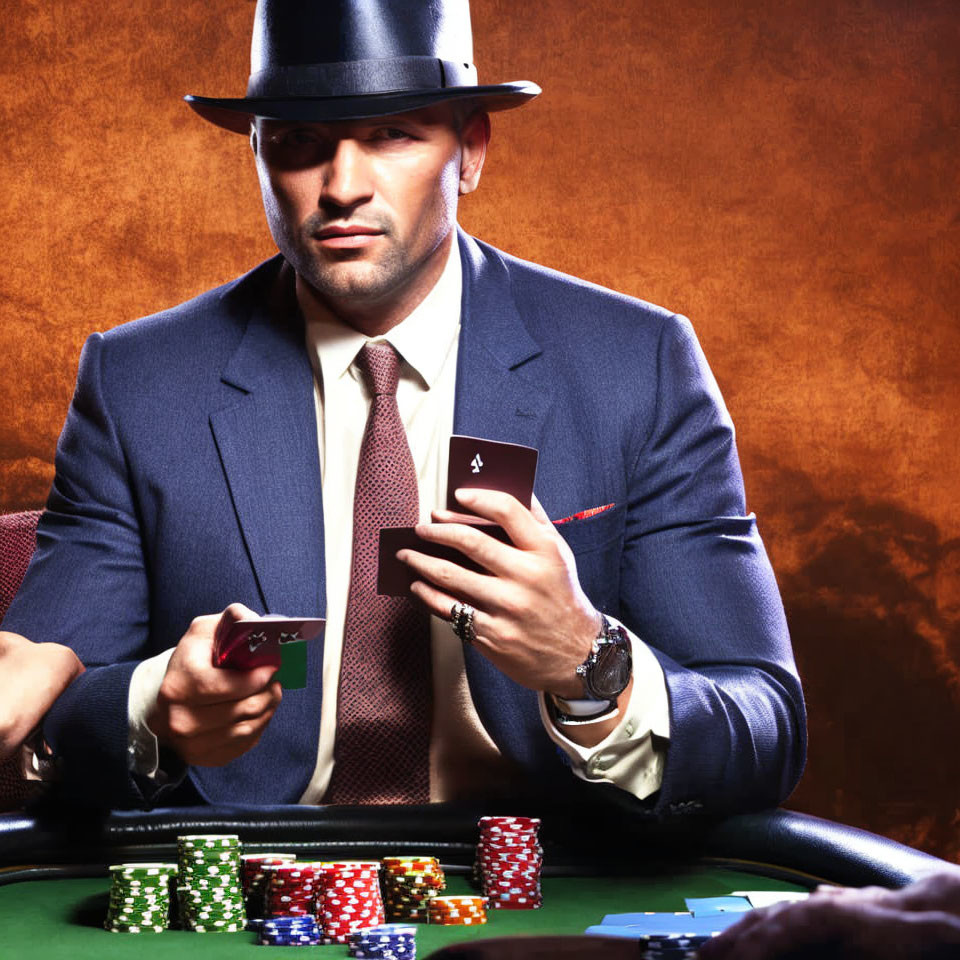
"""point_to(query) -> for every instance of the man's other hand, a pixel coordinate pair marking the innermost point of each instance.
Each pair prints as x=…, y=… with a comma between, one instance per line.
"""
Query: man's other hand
x=919, y=921
x=533, y=621
x=209, y=715
x=32, y=676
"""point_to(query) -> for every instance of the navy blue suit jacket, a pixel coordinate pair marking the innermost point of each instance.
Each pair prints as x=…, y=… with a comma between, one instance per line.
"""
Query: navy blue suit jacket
x=187, y=478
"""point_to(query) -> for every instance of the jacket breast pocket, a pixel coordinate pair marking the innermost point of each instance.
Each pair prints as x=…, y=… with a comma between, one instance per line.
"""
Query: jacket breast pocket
x=597, y=542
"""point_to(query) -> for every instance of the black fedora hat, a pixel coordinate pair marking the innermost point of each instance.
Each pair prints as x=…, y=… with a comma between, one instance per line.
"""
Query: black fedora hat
x=330, y=60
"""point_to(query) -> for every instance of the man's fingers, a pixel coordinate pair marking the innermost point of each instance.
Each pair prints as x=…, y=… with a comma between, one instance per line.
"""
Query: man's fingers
x=500, y=559
x=219, y=747
x=450, y=578
x=205, y=684
x=193, y=722
x=538, y=512
x=234, y=613
x=524, y=531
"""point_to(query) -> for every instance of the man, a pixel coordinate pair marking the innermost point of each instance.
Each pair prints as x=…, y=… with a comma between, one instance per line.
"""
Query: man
x=239, y=454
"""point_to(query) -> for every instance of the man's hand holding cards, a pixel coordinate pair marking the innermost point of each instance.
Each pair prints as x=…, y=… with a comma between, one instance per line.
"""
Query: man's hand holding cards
x=476, y=464
x=206, y=712
x=529, y=616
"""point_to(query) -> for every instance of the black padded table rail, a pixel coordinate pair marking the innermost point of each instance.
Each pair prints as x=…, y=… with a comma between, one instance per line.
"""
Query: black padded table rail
x=577, y=840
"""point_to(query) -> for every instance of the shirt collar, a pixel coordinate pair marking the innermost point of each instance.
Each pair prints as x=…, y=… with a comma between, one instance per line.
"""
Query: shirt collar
x=423, y=339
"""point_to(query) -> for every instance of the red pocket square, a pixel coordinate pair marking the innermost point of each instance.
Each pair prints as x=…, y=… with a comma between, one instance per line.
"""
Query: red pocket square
x=584, y=514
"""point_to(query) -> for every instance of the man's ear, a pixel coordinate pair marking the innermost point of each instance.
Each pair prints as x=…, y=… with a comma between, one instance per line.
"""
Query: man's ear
x=253, y=136
x=474, y=137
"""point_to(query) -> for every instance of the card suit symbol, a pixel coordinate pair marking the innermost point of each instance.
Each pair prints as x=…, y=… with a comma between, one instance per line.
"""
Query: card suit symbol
x=475, y=464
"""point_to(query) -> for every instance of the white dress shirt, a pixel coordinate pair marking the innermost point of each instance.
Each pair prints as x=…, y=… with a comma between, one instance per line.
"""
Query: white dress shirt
x=463, y=758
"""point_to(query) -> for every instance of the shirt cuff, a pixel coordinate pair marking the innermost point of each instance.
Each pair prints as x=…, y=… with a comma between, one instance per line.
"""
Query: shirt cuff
x=143, y=749
x=632, y=755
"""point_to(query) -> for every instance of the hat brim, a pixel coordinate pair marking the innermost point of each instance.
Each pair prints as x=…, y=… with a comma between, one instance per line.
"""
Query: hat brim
x=236, y=114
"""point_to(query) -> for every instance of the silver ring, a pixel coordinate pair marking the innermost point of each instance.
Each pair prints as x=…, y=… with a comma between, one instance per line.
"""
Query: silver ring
x=467, y=633
x=461, y=621
x=456, y=612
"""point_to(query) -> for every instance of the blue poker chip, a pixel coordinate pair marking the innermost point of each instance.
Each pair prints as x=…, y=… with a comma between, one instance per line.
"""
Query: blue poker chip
x=405, y=929
x=371, y=954
x=402, y=949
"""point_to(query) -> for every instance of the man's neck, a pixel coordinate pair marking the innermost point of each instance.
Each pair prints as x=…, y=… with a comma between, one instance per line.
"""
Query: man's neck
x=374, y=319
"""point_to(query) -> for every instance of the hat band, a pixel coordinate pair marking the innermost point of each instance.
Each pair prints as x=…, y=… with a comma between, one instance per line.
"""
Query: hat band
x=361, y=77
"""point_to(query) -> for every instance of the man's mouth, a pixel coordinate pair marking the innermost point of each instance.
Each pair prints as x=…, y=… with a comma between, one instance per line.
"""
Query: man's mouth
x=347, y=235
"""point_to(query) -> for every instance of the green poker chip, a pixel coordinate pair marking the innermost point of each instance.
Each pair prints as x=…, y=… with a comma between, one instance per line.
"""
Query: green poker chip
x=209, y=892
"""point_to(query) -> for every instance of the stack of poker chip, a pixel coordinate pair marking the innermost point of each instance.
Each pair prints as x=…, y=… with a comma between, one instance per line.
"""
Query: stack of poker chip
x=290, y=889
x=389, y=941
x=253, y=879
x=209, y=892
x=139, y=897
x=289, y=932
x=409, y=883
x=509, y=858
x=457, y=911
x=350, y=899
x=671, y=946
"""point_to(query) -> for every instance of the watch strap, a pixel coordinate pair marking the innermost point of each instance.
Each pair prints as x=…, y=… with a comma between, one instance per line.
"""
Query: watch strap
x=608, y=710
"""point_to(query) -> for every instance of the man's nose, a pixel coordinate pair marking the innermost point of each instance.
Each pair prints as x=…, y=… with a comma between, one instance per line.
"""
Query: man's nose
x=346, y=176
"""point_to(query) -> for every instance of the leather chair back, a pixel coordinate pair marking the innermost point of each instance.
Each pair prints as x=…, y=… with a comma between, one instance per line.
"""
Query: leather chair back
x=18, y=540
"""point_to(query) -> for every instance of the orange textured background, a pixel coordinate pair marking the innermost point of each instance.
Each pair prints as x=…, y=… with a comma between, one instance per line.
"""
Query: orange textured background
x=785, y=174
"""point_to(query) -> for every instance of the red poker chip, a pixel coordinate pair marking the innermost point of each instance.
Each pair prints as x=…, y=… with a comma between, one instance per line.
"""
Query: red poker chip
x=489, y=833
x=510, y=864
x=523, y=821
x=509, y=844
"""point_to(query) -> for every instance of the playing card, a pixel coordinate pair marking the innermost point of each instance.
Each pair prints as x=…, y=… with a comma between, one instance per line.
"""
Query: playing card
x=638, y=925
x=709, y=906
x=394, y=578
x=490, y=465
x=766, y=898
x=273, y=641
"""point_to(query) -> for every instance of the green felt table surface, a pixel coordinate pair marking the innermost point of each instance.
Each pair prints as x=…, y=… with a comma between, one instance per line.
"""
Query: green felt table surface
x=62, y=919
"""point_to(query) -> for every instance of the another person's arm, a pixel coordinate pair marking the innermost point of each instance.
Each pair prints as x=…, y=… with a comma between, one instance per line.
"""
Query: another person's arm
x=919, y=921
x=32, y=676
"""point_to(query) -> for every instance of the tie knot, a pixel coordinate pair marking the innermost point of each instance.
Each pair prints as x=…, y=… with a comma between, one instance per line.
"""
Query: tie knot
x=379, y=365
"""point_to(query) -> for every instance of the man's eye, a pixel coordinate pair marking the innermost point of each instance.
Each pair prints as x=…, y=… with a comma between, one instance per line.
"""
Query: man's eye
x=391, y=133
x=296, y=137
x=300, y=138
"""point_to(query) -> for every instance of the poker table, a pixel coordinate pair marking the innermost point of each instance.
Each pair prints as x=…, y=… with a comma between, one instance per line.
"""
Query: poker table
x=54, y=880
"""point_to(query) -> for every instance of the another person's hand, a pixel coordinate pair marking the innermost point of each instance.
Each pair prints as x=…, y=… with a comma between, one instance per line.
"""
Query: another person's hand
x=208, y=715
x=533, y=621
x=32, y=676
x=919, y=921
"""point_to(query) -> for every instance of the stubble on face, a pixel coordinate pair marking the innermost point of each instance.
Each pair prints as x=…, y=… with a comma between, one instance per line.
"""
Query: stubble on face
x=411, y=211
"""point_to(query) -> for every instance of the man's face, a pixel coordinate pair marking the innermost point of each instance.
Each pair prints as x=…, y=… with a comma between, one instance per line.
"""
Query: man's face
x=361, y=208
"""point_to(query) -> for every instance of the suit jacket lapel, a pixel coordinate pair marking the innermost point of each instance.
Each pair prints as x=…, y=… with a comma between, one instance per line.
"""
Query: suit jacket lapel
x=267, y=439
x=501, y=395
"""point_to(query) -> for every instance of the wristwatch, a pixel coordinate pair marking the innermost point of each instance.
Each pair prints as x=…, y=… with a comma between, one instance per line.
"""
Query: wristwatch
x=606, y=671
x=605, y=675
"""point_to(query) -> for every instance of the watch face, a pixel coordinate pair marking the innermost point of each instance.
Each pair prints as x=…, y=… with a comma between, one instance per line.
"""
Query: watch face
x=611, y=673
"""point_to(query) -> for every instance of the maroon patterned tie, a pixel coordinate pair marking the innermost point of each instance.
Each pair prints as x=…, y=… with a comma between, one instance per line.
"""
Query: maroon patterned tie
x=384, y=706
